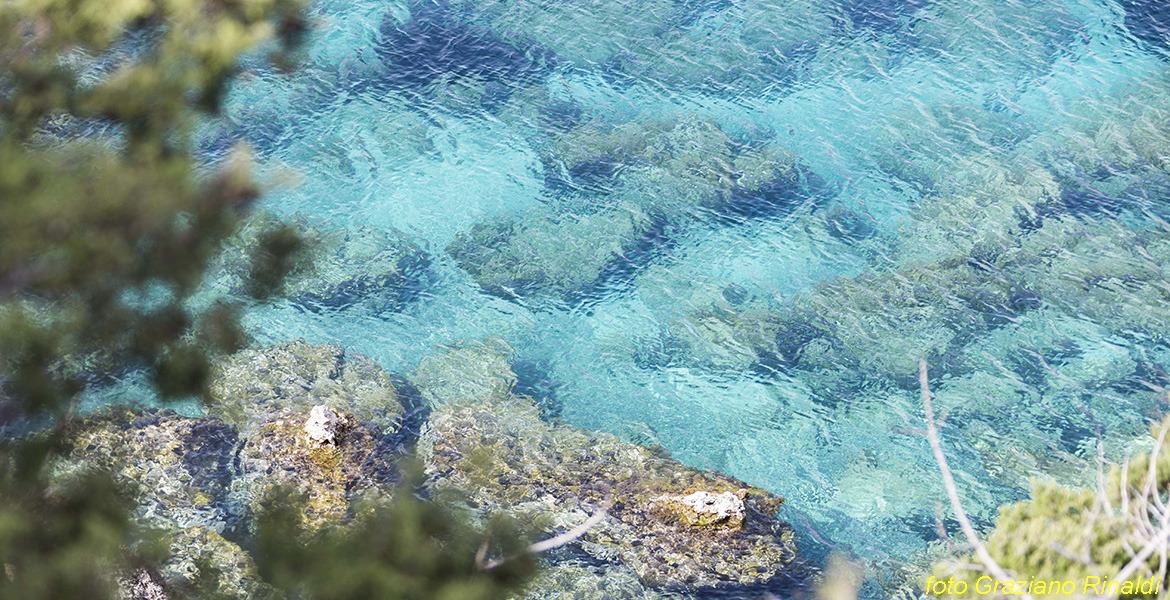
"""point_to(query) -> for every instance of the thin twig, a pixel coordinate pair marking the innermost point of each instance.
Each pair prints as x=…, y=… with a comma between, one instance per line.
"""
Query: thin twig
x=546, y=545
x=949, y=483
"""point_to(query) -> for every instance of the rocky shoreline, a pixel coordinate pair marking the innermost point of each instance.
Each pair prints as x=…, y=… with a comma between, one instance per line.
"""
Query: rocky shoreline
x=318, y=422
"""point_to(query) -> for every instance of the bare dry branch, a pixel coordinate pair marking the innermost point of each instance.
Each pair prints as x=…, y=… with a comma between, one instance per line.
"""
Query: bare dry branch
x=548, y=544
x=949, y=483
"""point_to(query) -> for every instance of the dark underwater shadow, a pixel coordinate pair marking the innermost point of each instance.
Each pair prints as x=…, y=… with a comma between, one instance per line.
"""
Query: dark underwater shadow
x=434, y=44
x=879, y=16
x=1149, y=22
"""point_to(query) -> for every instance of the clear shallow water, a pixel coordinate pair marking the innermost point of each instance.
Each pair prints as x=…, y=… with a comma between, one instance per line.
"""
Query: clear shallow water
x=432, y=118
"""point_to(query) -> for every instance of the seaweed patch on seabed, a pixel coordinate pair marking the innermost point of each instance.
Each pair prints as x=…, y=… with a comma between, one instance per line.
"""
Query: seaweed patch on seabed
x=1149, y=21
x=880, y=16
x=434, y=44
x=627, y=192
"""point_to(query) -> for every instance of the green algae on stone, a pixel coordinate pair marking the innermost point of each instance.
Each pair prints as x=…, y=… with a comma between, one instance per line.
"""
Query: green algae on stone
x=567, y=580
x=498, y=455
x=177, y=468
x=529, y=255
x=249, y=386
x=282, y=458
x=203, y=562
x=997, y=42
x=335, y=268
x=664, y=166
x=1113, y=143
x=986, y=203
x=742, y=45
x=920, y=146
x=1104, y=271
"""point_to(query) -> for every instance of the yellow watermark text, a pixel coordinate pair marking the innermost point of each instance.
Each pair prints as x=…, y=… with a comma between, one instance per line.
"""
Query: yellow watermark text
x=1091, y=586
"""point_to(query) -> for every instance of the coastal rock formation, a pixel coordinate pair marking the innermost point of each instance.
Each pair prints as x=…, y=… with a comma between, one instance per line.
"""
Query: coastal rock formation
x=202, y=559
x=329, y=467
x=251, y=386
x=497, y=455
x=487, y=452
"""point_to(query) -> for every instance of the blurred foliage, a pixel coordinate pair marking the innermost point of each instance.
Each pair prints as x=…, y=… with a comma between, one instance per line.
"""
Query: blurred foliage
x=1066, y=534
x=104, y=226
x=409, y=549
x=107, y=225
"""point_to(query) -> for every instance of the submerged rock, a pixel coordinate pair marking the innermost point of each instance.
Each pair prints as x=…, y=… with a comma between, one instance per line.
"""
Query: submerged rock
x=530, y=257
x=1109, y=153
x=620, y=191
x=475, y=371
x=997, y=42
x=336, y=268
x=498, y=455
x=251, y=386
x=711, y=46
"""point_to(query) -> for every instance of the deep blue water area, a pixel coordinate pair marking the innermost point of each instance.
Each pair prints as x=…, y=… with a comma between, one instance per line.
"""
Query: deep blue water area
x=731, y=227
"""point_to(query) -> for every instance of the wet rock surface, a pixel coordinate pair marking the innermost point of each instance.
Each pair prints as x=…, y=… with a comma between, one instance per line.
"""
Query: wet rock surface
x=498, y=455
x=201, y=558
x=178, y=468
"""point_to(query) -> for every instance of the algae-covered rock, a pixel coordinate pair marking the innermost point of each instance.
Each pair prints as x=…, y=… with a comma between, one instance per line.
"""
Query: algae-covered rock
x=476, y=370
x=251, y=385
x=880, y=324
x=530, y=255
x=1110, y=150
x=1104, y=271
x=741, y=45
x=574, y=580
x=283, y=457
x=178, y=469
x=664, y=166
x=586, y=34
x=202, y=561
x=336, y=267
x=619, y=190
x=994, y=42
x=919, y=146
x=986, y=202
x=721, y=336
x=498, y=455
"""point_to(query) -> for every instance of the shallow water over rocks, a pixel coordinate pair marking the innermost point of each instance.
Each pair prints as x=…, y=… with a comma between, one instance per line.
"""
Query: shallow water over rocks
x=730, y=230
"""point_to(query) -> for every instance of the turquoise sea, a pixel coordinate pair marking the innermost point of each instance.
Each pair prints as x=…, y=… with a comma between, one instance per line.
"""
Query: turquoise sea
x=980, y=183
